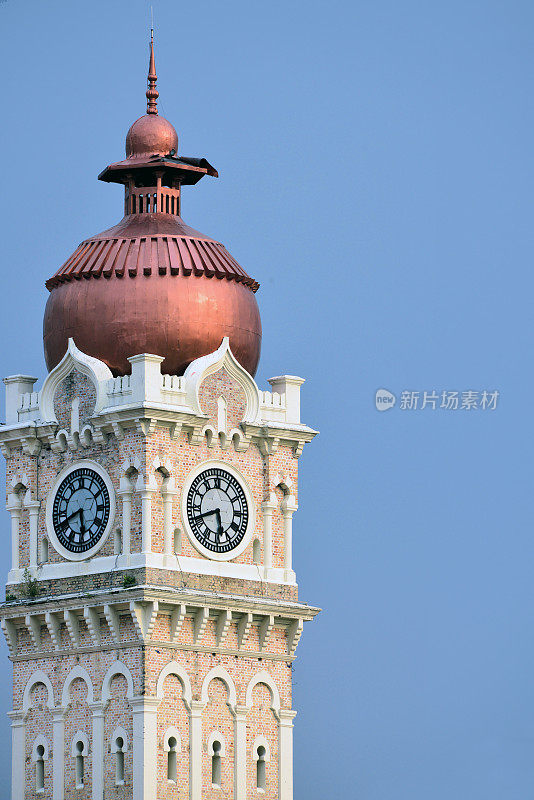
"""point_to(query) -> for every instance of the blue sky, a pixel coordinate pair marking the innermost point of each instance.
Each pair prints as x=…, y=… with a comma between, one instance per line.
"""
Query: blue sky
x=376, y=167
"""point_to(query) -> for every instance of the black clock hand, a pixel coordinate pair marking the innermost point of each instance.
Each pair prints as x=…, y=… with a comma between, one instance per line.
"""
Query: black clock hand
x=219, y=522
x=78, y=511
x=82, y=525
x=207, y=513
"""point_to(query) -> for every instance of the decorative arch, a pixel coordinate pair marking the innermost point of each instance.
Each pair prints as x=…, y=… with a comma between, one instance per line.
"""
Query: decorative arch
x=79, y=736
x=175, y=669
x=202, y=367
x=119, y=733
x=117, y=668
x=37, y=677
x=40, y=741
x=170, y=733
x=75, y=673
x=97, y=372
x=18, y=483
x=261, y=741
x=263, y=677
x=216, y=736
x=222, y=674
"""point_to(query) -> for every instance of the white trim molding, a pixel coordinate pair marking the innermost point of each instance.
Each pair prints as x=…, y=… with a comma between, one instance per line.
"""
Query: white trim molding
x=97, y=372
x=79, y=736
x=260, y=741
x=75, y=673
x=117, y=668
x=37, y=677
x=221, y=358
x=223, y=675
x=40, y=740
x=216, y=736
x=174, y=668
x=267, y=679
x=118, y=733
x=169, y=734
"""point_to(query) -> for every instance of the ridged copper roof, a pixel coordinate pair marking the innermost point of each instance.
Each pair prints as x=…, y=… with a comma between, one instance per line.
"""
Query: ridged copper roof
x=154, y=253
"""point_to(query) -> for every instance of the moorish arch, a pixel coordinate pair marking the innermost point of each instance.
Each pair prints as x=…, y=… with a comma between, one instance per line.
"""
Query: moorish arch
x=265, y=678
x=223, y=675
x=178, y=670
x=38, y=677
x=77, y=672
x=117, y=668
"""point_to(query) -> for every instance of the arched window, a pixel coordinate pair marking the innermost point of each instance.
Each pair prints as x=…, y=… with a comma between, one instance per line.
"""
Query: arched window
x=216, y=765
x=119, y=746
x=44, y=550
x=39, y=757
x=217, y=751
x=79, y=751
x=261, y=755
x=39, y=769
x=80, y=767
x=177, y=541
x=171, y=745
x=256, y=551
x=261, y=773
x=117, y=542
x=172, y=763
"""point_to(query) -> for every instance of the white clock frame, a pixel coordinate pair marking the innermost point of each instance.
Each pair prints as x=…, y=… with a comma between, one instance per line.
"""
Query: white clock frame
x=244, y=543
x=54, y=541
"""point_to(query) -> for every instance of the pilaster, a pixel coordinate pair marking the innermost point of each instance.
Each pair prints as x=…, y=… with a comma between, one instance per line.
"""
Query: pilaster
x=195, y=755
x=145, y=762
x=18, y=761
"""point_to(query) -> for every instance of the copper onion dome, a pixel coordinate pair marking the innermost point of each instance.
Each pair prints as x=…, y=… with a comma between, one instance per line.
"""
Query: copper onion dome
x=152, y=284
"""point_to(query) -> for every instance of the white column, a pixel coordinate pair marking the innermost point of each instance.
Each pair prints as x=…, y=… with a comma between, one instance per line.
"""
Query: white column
x=145, y=747
x=240, y=752
x=14, y=508
x=58, y=753
x=98, y=750
x=267, y=508
x=285, y=767
x=146, y=491
x=33, y=507
x=195, y=749
x=168, y=492
x=289, y=506
x=126, y=492
x=18, y=755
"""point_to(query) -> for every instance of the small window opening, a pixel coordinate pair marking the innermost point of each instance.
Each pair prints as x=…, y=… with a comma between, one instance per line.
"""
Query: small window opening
x=134, y=204
x=118, y=542
x=256, y=551
x=79, y=765
x=216, y=765
x=167, y=204
x=39, y=769
x=172, y=766
x=44, y=550
x=119, y=761
x=261, y=771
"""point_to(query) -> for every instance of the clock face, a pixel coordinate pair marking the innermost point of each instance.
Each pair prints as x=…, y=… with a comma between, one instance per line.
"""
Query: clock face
x=217, y=510
x=81, y=510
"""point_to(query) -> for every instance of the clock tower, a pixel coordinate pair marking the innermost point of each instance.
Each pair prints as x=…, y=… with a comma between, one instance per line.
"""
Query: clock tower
x=152, y=612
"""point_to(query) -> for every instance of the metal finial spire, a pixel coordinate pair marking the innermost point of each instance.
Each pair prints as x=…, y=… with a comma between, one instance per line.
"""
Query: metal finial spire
x=152, y=93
